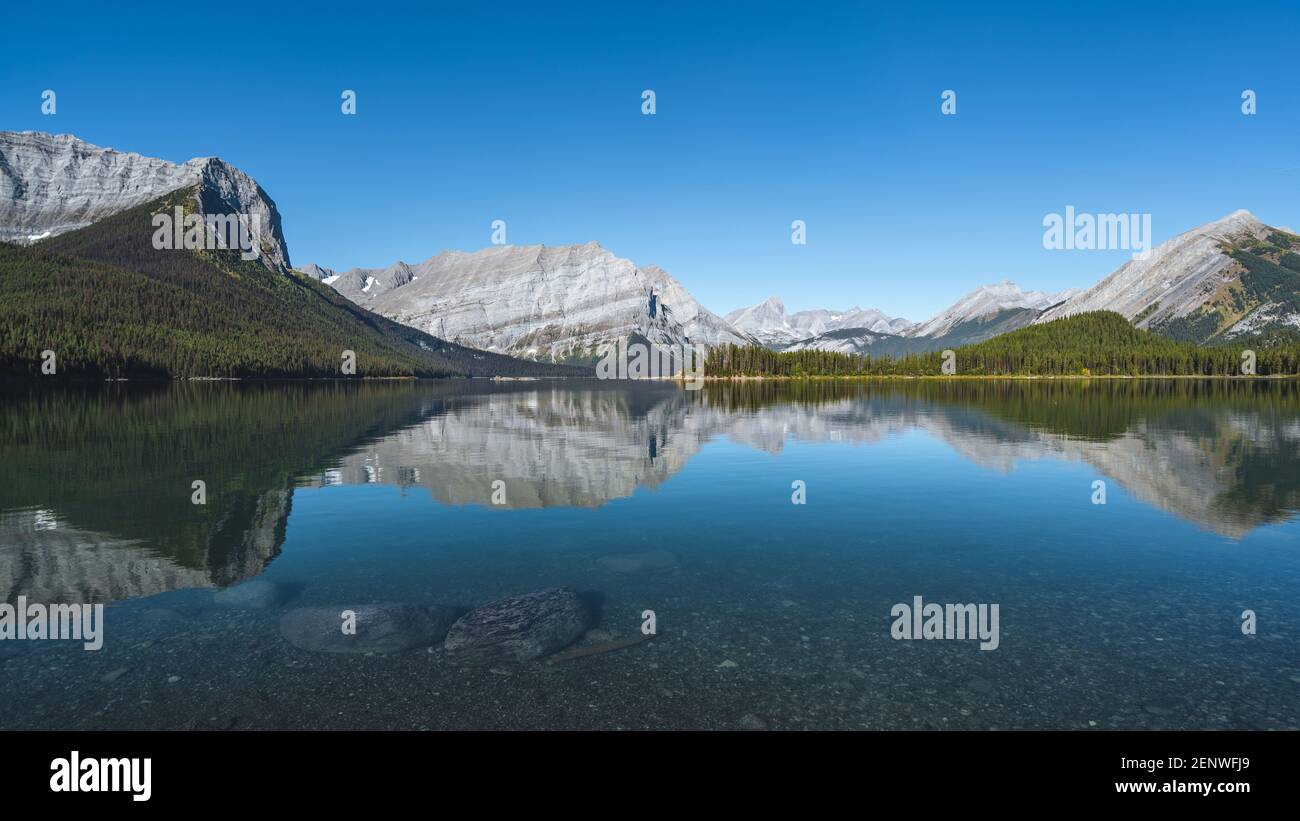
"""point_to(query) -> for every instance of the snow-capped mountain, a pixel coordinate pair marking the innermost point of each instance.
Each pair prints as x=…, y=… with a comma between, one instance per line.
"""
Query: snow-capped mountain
x=772, y=326
x=54, y=183
x=1229, y=277
x=563, y=303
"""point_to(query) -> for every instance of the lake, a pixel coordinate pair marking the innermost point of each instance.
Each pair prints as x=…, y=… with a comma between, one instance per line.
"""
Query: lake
x=770, y=528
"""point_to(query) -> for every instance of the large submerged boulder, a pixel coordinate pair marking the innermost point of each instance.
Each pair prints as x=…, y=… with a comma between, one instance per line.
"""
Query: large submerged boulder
x=520, y=628
x=379, y=628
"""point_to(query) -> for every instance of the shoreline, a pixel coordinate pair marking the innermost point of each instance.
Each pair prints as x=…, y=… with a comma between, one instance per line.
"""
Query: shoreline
x=90, y=380
x=990, y=377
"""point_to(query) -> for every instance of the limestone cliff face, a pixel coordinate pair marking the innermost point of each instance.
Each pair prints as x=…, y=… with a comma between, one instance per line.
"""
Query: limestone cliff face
x=54, y=183
x=535, y=301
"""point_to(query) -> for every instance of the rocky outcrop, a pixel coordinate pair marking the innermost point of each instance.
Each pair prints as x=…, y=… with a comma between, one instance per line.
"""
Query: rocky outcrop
x=54, y=183
x=520, y=628
x=380, y=628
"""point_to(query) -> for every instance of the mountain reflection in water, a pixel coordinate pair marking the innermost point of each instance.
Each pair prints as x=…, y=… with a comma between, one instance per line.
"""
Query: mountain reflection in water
x=96, y=502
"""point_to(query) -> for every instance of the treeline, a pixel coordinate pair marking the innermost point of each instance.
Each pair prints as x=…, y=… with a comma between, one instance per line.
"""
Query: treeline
x=1100, y=343
x=1089, y=409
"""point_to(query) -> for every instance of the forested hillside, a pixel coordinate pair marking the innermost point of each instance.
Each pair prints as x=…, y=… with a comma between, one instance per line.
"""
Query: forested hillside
x=110, y=305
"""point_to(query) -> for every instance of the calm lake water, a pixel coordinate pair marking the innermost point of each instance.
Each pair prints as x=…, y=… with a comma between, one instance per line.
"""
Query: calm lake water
x=769, y=614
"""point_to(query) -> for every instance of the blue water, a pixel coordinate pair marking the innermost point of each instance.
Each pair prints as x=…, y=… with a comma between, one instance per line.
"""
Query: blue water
x=769, y=614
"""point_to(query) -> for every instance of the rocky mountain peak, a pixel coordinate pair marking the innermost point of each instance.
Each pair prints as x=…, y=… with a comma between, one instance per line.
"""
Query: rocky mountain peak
x=985, y=301
x=1175, y=280
x=54, y=183
x=316, y=272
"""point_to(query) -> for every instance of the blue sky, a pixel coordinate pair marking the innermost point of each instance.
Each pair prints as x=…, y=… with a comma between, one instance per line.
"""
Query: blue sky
x=766, y=113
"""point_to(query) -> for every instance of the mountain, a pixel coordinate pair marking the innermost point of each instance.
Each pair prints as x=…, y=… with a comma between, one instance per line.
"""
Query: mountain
x=986, y=312
x=864, y=342
x=1226, y=279
x=54, y=183
x=314, y=271
x=110, y=304
x=772, y=326
x=1001, y=299
x=562, y=303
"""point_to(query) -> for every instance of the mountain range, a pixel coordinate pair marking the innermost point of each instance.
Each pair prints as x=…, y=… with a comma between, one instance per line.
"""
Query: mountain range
x=983, y=313
x=771, y=325
x=1230, y=278
x=83, y=278
x=81, y=215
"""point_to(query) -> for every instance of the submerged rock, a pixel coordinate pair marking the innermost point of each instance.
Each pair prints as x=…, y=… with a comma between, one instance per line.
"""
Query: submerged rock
x=520, y=628
x=650, y=561
x=251, y=595
x=380, y=628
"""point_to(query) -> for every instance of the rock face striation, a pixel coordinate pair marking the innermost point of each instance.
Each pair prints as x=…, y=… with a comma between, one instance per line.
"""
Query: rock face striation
x=563, y=303
x=54, y=183
x=1229, y=277
x=520, y=628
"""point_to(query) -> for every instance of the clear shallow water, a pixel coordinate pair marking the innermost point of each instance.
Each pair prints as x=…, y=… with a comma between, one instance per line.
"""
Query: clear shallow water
x=1123, y=615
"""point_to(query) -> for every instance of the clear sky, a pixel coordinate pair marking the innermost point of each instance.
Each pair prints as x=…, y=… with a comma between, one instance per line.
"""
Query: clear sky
x=766, y=113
